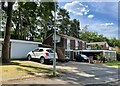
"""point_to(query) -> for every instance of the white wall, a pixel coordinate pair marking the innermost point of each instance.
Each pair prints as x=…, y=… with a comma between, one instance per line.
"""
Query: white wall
x=20, y=50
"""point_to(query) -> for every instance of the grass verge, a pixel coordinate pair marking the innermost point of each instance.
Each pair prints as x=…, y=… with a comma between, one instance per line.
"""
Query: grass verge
x=21, y=69
x=113, y=64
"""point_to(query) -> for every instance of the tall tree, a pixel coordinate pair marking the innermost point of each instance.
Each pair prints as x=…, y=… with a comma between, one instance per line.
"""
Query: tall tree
x=74, y=28
x=31, y=19
x=64, y=20
x=6, y=43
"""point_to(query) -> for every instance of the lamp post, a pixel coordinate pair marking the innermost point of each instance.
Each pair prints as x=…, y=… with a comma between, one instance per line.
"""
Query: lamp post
x=54, y=60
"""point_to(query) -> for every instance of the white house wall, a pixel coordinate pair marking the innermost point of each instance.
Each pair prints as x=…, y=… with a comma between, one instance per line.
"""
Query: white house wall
x=20, y=50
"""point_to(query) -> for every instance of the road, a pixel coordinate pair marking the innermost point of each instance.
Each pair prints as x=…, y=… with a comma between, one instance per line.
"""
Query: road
x=85, y=73
x=76, y=73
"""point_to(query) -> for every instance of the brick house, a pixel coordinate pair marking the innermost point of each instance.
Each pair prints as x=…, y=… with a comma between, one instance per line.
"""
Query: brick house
x=103, y=45
x=66, y=45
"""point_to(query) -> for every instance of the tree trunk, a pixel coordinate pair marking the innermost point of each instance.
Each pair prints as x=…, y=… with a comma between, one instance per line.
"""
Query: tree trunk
x=6, y=43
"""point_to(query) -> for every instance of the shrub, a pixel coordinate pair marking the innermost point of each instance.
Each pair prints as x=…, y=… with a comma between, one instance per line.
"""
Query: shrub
x=118, y=56
x=98, y=57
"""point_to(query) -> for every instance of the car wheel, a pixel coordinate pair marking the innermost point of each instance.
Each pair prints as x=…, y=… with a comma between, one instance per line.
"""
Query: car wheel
x=42, y=60
x=29, y=57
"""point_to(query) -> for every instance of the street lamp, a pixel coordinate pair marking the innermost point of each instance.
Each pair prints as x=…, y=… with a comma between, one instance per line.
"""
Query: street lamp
x=54, y=60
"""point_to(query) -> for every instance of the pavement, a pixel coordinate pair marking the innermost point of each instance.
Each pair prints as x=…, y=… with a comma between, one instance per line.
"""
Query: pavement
x=75, y=73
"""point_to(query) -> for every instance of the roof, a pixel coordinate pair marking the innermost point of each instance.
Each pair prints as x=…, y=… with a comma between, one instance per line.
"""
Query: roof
x=43, y=48
x=21, y=41
x=69, y=37
x=64, y=36
x=100, y=43
x=94, y=51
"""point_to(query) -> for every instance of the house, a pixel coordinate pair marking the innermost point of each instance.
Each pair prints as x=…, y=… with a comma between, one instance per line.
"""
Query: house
x=66, y=45
x=99, y=48
x=109, y=54
x=19, y=48
x=101, y=45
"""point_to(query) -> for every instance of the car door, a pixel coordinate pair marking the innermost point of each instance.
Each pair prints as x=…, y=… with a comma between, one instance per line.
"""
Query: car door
x=39, y=53
x=34, y=53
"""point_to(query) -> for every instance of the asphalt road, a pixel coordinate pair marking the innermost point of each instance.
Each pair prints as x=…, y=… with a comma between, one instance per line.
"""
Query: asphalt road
x=85, y=73
x=77, y=73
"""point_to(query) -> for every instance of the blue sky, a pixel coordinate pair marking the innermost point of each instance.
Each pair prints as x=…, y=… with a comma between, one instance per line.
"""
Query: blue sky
x=101, y=17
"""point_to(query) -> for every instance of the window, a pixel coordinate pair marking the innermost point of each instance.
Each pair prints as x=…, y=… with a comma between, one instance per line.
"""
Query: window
x=68, y=44
x=36, y=50
x=76, y=44
x=88, y=47
x=67, y=54
x=83, y=45
x=40, y=50
x=49, y=50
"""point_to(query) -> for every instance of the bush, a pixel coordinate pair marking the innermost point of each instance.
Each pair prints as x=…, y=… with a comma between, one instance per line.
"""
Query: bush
x=101, y=58
x=118, y=56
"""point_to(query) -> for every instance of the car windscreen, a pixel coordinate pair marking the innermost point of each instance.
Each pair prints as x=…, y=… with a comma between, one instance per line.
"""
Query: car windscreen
x=50, y=51
x=84, y=56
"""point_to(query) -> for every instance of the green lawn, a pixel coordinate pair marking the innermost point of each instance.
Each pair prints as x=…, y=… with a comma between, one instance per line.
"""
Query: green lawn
x=113, y=63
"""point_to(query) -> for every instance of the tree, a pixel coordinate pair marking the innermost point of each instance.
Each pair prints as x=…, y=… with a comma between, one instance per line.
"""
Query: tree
x=31, y=20
x=25, y=20
x=6, y=43
x=74, y=28
x=46, y=17
x=64, y=20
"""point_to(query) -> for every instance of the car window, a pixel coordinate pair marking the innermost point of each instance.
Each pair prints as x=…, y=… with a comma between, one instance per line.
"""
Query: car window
x=40, y=50
x=50, y=51
x=84, y=56
x=36, y=50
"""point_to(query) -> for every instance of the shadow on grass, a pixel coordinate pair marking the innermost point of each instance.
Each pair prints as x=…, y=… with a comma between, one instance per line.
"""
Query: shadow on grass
x=30, y=69
x=37, y=69
x=11, y=63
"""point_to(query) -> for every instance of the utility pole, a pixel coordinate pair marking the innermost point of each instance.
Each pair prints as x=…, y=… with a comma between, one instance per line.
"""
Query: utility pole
x=54, y=60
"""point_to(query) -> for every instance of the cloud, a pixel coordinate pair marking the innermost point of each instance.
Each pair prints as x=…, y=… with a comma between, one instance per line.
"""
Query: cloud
x=90, y=16
x=110, y=30
x=77, y=8
x=107, y=24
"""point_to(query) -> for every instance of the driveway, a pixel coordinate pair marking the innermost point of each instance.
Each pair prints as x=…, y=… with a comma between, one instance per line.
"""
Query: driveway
x=75, y=73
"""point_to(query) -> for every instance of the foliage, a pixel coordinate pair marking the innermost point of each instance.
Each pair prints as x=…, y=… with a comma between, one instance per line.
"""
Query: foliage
x=74, y=28
x=96, y=47
x=101, y=58
x=63, y=20
x=118, y=56
x=94, y=37
x=114, y=42
x=31, y=20
x=113, y=63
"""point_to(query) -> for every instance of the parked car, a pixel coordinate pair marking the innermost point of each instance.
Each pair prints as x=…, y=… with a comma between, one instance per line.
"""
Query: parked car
x=81, y=58
x=42, y=54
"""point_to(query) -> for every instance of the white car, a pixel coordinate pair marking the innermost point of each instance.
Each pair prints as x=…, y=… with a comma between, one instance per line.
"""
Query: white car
x=43, y=54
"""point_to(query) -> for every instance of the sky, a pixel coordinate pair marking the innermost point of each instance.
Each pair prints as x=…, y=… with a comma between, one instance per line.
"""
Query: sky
x=101, y=17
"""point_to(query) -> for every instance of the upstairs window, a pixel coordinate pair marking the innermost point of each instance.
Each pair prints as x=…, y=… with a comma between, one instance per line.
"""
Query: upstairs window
x=68, y=44
x=76, y=44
